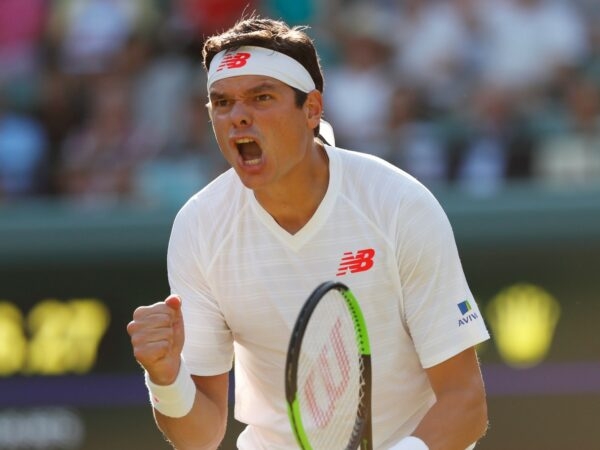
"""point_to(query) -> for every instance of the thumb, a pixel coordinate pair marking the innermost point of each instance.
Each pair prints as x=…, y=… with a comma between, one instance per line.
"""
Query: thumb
x=173, y=301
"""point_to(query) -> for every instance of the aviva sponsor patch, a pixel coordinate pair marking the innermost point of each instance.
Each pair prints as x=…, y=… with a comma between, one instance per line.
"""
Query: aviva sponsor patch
x=468, y=315
x=464, y=307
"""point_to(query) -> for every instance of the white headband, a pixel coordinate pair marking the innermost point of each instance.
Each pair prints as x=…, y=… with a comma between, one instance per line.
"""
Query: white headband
x=250, y=60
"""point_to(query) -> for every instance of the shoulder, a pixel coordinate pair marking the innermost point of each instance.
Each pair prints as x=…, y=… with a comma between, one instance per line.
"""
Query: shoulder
x=386, y=194
x=215, y=204
x=365, y=163
x=366, y=174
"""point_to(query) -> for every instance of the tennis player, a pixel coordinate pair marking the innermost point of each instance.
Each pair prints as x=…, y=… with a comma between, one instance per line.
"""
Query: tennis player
x=294, y=211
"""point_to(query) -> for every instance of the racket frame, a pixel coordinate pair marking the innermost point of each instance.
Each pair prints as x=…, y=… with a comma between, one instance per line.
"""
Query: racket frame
x=362, y=429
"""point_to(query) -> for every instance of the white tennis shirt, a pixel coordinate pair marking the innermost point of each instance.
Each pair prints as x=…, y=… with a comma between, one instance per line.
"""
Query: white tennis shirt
x=243, y=280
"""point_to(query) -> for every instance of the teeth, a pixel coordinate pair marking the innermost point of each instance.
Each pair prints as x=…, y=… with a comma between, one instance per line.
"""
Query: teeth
x=244, y=141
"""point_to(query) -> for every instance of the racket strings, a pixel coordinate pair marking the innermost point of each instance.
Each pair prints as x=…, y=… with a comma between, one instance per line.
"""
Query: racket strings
x=329, y=376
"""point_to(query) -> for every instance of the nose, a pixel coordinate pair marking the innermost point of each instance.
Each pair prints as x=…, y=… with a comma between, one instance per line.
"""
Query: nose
x=240, y=114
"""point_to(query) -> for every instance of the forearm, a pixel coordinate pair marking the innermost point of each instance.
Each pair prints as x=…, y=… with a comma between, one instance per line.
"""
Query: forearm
x=202, y=428
x=455, y=421
x=192, y=411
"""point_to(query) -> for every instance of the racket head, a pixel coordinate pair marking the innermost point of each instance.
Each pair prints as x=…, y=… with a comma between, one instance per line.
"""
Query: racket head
x=328, y=372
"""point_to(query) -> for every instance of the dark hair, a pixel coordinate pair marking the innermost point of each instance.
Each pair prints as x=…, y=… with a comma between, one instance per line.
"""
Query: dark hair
x=272, y=34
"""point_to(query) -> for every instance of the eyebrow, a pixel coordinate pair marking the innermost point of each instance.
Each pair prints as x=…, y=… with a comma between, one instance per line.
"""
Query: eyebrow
x=264, y=86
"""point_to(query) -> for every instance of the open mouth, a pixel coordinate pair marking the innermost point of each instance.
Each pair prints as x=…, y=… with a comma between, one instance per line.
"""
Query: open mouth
x=249, y=151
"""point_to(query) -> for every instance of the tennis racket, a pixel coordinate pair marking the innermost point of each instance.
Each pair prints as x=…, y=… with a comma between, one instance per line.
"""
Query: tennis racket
x=328, y=372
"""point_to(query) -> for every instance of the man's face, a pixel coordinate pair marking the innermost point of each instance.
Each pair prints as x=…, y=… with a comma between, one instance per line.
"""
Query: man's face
x=260, y=130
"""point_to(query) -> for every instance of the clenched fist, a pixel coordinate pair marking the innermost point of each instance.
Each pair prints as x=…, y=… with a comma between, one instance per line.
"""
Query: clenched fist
x=157, y=337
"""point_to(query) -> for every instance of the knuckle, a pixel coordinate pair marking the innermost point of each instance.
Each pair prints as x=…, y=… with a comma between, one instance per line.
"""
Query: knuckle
x=131, y=327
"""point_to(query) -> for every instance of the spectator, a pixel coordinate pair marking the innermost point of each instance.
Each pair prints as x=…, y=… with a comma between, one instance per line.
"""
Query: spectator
x=591, y=65
x=88, y=34
x=359, y=87
x=496, y=147
x=162, y=87
x=445, y=50
x=205, y=17
x=432, y=46
x=415, y=144
x=23, y=147
x=571, y=157
x=187, y=163
x=99, y=159
x=22, y=24
x=298, y=12
x=530, y=41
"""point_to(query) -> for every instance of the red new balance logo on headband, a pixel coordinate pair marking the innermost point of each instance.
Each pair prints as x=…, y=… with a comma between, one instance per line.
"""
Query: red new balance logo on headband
x=234, y=61
x=360, y=261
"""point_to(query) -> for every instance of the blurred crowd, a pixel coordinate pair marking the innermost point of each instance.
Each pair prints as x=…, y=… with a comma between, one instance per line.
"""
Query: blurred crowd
x=104, y=100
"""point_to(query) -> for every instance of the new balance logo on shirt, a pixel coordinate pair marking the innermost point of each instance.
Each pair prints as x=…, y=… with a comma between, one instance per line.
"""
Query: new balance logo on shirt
x=360, y=261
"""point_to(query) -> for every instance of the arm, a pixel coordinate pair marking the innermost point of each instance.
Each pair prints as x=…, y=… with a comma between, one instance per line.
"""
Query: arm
x=459, y=416
x=434, y=285
x=204, y=426
x=157, y=337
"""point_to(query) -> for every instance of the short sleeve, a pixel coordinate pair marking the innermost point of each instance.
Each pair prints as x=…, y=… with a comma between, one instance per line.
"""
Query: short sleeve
x=208, y=348
x=439, y=309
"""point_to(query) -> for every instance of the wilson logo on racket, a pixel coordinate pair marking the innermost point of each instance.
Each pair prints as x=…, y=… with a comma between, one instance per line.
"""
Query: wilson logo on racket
x=234, y=61
x=328, y=372
x=360, y=261
x=333, y=377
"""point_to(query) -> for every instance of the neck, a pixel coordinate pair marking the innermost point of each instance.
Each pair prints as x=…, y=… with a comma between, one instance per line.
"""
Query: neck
x=292, y=205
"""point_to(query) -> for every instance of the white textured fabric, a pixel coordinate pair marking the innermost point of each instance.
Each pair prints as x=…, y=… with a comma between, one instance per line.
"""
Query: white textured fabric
x=250, y=60
x=414, y=443
x=243, y=280
x=410, y=443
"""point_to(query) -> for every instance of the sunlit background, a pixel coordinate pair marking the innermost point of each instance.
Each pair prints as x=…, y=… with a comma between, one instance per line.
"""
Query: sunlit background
x=493, y=104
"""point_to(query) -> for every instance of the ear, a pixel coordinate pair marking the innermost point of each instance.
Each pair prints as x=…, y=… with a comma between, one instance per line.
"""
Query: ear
x=313, y=106
x=209, y=110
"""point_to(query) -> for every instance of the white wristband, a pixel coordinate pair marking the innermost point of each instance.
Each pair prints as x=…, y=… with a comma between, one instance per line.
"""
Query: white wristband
x=173, y=400
x=410, y=443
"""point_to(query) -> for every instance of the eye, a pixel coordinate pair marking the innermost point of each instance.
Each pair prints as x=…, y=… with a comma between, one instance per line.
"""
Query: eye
x=263, y=97
x=221, y=103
